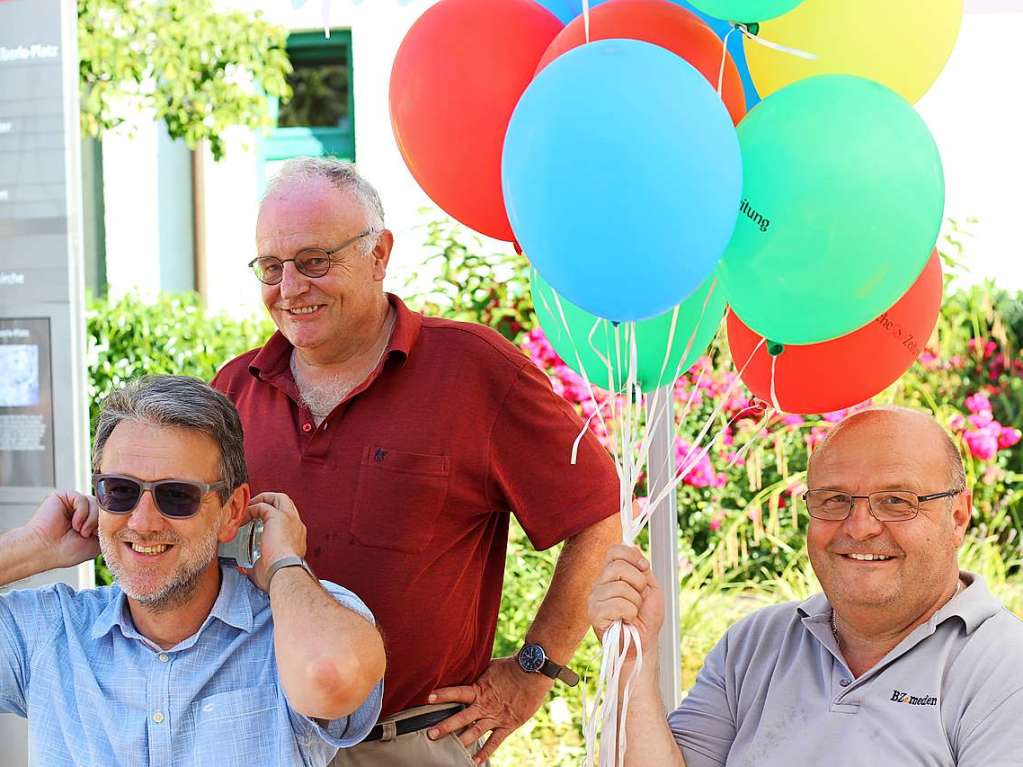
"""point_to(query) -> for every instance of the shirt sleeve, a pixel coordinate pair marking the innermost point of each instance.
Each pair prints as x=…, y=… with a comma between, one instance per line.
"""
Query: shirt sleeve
x=531, y=470
x=27, y=618
x=704, y=723
x=324, y=738
x=997, y=740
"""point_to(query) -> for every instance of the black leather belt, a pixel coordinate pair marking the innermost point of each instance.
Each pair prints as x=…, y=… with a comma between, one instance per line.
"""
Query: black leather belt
x=414, y=723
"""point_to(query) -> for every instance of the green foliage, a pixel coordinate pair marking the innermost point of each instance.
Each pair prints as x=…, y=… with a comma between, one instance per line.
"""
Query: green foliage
x=200, y=70
x=469, y=285
x=128, y=338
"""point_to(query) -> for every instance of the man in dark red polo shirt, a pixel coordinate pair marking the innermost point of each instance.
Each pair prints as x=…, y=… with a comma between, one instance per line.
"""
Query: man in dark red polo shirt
x=406, y=441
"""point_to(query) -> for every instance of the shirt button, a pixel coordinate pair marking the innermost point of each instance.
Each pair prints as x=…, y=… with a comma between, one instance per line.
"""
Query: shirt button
x=164, y=657
x=845, y=682
x=307, y=427
x=158, y=717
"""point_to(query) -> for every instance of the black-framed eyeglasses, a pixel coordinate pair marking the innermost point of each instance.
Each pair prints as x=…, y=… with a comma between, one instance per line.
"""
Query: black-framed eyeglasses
x=175, y=498
x=312, y=262
x=884, y=505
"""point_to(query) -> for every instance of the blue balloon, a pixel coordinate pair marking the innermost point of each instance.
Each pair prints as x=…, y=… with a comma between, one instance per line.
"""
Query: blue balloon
x=621, y=176
x=566, y=10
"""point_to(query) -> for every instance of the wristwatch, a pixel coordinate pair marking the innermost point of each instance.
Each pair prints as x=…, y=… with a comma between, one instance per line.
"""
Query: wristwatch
x=283, y=562
x=533, y=660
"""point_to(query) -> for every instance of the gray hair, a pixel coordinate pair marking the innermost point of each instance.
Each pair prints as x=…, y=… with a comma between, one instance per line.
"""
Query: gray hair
x=180, y=402
x=340, y=173
x=956, y=472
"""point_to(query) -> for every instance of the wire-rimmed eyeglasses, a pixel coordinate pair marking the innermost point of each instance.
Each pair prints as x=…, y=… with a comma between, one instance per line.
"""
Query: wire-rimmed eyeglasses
x=884, y=505
x=312, y=262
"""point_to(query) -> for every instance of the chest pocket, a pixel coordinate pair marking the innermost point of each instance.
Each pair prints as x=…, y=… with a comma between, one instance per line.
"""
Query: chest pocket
x=231, y=727
x=398, y=498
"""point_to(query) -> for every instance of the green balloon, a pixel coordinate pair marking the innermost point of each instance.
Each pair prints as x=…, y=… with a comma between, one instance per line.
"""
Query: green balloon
x=651, y=336
x=745, y=10
x=843, y=196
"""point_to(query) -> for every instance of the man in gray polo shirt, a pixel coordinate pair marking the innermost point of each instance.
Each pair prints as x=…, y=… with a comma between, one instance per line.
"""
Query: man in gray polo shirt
x=903, y=660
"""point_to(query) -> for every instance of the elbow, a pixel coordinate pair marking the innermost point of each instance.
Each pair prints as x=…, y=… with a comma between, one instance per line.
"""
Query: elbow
x=335, y=687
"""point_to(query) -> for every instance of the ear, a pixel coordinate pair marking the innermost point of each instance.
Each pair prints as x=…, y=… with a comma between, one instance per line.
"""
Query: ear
x=236, y=512
x=381, y=254
x=962, y=511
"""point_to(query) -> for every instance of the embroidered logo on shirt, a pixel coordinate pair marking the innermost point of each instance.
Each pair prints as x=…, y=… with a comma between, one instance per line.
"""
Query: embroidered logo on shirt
x=379, y=455
x=898, y=696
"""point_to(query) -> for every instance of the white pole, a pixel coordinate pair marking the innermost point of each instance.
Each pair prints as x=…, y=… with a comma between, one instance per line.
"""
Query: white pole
x=664, y=541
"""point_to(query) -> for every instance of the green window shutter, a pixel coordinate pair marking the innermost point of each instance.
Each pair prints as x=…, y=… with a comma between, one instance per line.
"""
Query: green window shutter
x=319, y=120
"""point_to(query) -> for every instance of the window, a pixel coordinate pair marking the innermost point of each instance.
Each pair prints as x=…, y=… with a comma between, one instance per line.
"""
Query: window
x=319, y=119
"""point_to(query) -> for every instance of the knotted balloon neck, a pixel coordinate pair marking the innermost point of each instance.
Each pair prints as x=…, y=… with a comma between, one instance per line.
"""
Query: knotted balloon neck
x=774, y=348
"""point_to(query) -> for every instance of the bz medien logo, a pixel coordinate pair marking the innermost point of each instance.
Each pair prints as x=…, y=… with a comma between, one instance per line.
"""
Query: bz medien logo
x=898, y=696
x=754, y=216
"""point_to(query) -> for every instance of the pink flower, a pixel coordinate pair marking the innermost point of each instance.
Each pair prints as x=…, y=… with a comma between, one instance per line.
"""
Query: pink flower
x=836, y=416
x=1008, y=437
x=980, y=420
x=978, y=403
x=982, y=444
x=793, y=420
x=715, y=522
x=957, y=422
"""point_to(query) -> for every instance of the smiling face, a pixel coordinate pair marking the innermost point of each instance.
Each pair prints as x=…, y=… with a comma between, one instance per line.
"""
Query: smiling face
x=323, y=314
x=161, y=562
x=906, y=566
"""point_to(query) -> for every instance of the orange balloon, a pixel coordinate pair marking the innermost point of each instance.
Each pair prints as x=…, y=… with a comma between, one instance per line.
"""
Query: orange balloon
x=665, y=24
x=457, y=77
x=842, y=372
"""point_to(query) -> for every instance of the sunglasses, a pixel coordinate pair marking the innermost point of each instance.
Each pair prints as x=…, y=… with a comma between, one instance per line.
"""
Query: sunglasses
x=175, y=498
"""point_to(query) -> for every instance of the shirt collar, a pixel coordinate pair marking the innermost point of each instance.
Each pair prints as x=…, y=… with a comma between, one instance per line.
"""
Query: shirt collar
x=274, y=358
x=232, y=607
x=973, y=605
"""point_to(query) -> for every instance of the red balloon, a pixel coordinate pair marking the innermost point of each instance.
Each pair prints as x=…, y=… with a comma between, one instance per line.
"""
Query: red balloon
x=456, y=80
x=842, y=372
x=661, y=23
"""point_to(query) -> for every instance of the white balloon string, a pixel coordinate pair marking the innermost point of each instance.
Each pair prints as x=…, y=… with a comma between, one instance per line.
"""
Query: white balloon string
x=325, y=15
x=586, y=19
x=692, y=336
x=744, y=29
x=671, y=342
x=698, y=441
x=741, y=454
x=724, y=58
x=774, y=392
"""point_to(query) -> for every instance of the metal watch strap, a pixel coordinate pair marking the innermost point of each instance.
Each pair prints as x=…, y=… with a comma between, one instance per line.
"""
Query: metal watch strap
x=564, y=673
x=283, y=562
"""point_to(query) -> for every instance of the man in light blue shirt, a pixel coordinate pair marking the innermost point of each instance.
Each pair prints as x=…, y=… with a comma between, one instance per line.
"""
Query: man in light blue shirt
x=184, y=661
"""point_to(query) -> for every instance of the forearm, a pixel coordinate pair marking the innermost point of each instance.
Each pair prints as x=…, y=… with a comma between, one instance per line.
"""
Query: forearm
x=561, y=620
x=21, y=556
x=327, y=672
x=649, y=738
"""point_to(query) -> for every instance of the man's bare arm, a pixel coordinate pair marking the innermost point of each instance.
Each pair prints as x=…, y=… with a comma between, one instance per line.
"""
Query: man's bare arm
x=329, y=657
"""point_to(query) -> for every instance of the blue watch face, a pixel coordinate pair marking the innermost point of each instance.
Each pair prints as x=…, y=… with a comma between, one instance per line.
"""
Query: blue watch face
x=532, y=657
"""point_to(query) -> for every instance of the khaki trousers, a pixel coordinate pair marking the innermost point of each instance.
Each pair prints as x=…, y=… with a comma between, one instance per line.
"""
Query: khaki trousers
x=413, y=749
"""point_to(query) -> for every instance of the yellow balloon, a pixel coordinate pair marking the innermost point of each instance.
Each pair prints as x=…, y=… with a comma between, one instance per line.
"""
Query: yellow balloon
x=903, y=44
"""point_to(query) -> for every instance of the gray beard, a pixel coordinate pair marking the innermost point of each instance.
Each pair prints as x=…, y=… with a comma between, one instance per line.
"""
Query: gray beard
x=181, y=587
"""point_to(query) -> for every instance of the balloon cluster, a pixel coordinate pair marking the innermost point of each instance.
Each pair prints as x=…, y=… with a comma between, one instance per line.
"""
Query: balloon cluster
x=615, y=149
